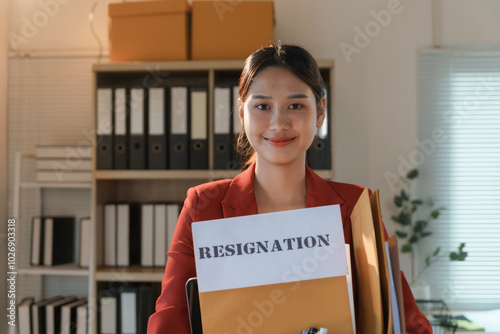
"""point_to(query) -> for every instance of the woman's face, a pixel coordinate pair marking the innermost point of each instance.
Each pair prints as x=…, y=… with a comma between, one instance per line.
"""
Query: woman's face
x=280, y=116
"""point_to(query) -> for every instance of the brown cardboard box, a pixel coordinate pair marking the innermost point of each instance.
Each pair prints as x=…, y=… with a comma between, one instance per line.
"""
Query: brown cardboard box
x=230, y=29
x=149, y=30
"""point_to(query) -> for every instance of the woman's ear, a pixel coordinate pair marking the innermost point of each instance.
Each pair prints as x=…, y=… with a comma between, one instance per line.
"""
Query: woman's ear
x=320, y=116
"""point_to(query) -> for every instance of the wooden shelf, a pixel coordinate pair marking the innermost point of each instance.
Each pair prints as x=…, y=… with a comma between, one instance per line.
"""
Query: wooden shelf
x=59, y=270
x=177, y=174
x=164, y=174
x=55, y=185
x=130, y=274
x=190, y=65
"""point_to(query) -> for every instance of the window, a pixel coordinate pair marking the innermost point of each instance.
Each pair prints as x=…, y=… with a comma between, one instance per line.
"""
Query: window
x=459, y=98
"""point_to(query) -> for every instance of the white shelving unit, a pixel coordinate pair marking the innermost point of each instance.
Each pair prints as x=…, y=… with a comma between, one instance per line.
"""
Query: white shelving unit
x=34, y=276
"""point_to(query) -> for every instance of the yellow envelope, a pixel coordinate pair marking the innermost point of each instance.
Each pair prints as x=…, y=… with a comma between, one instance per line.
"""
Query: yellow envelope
x=366, y=266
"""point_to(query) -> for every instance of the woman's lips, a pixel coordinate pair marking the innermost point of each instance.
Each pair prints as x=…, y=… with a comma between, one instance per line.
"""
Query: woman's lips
x=279, y=141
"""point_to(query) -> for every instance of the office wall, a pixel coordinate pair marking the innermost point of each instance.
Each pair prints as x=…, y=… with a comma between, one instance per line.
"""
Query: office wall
x=3, y=153
x=374, y=45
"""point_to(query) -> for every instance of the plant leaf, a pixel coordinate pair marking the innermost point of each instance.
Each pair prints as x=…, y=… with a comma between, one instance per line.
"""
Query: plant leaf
x=461, y=255
x=413, y=239
x=404, y=195
x=396, y=219
x=436, y=252
x=398, y=201
x=425, y=234
x=419, y=226
x=405, y=218
x=417, y=202
x=406, y=248
x=413, y=174
x=401, y=234
x=428, y=261
x=435, y=214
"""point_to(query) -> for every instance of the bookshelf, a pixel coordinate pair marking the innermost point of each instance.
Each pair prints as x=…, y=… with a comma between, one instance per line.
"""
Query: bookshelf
x=149, y=186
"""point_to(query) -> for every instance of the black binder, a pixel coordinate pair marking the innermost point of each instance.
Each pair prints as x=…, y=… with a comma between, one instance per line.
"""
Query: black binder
x=104, y=126
x=179, y=128
x=198, y=116
x=157, y=129
x=59, y=240
x=37, y=240
x=137, y=125
x=128, y=218
x=222, y=127
x=120, y=113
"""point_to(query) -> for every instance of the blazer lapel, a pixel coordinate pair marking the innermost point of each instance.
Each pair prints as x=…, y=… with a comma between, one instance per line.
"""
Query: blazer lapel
x=240, y=197
x=319, y=192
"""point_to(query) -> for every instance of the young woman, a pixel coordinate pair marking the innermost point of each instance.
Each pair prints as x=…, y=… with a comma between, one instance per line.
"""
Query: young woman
x=281, y=103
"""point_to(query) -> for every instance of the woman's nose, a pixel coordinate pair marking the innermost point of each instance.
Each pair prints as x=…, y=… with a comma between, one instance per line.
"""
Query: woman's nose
x=279, y=119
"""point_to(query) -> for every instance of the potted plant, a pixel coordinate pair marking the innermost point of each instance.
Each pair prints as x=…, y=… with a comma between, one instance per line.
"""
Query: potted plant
x=415, y=216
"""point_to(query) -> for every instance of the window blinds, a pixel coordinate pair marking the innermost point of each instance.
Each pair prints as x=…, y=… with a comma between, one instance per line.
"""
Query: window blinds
x=459, y=96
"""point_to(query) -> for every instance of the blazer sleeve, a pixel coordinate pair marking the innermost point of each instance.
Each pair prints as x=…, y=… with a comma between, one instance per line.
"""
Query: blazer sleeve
x=171, y=314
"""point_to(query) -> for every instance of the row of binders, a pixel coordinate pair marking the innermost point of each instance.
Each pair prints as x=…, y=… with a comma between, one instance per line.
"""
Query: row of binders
x=165, y=128
x=54, y=241
x=137, y=233
x=127, y=309
x=53, y=315
x=69, y=163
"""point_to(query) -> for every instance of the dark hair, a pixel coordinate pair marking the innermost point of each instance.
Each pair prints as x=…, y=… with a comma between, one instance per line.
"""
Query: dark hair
x=292, y=57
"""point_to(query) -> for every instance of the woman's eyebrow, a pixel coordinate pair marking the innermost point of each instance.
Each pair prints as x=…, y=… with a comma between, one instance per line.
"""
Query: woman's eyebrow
x=294, y=96
x=261, y=97
x=298, y=96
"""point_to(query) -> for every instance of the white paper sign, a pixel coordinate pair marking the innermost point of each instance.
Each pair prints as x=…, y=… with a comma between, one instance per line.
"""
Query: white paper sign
x=269, y=248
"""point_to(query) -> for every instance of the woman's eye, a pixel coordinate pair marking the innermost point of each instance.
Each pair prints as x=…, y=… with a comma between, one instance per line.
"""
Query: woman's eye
x=263, y=106
x=296, y=106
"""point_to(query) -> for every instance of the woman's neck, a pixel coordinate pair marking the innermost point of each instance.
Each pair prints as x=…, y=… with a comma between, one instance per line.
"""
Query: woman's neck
x=280, y=187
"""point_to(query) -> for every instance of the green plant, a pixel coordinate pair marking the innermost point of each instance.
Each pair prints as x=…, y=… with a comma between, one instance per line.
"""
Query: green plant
x=415, y=216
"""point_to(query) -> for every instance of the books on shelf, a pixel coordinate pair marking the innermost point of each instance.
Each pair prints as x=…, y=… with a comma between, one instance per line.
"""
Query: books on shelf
x=63, y=163
x=24, y=315
x=136, y=233
x=126, y=309
x=84, y=254
x=51, y=315
x=52, y=240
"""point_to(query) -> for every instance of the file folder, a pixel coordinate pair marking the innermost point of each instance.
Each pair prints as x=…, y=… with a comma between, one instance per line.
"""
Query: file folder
x=222, y=127
x=137, y=139
x=179, y=128
x=37, y=232
x=369, y=305
x=147, y=235
x=104, y=157
x=128, y=309
x=236, y=158
x=53, y=314
x=109, y=240
x=173, y=211
x=198, y=148
x=160, y=235
x=120, y=154
x=59, y=240
x=84, y=258
x=157, y=135
x=128, y=234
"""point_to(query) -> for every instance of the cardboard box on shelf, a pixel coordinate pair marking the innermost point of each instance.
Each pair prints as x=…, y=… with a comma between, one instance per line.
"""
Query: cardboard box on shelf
x=149, y=30
x=230, y=29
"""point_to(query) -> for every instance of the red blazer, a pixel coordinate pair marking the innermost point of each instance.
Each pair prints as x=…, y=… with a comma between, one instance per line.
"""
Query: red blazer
x=232, y=198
